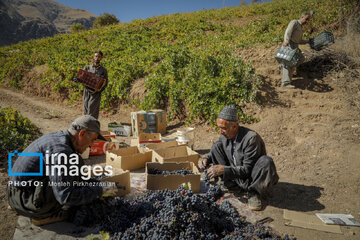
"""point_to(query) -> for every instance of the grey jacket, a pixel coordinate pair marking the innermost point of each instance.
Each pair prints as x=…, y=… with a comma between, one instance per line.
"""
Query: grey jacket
x=248, y=148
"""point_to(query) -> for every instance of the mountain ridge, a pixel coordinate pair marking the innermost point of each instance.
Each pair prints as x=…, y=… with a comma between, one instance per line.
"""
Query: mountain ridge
x=25, y=20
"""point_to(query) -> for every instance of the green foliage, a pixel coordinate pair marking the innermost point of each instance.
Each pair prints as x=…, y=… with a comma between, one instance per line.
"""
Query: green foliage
x=76, y=27
x=105, y=19
x=203, y=81
x=16, y=131
x=188, y=60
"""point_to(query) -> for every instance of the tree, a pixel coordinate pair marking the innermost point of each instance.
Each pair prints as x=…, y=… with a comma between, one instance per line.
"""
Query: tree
x=77, y=27
x=105, y=20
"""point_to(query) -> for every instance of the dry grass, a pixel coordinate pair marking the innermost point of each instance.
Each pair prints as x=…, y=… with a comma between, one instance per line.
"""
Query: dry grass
x=350, y=44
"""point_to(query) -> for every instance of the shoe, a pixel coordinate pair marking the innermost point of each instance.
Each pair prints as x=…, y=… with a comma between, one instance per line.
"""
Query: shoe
x=58, y=217
x=254, y=201
x=289, y=86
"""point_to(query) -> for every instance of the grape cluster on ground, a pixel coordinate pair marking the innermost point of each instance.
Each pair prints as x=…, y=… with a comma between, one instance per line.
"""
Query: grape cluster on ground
x=168, y=214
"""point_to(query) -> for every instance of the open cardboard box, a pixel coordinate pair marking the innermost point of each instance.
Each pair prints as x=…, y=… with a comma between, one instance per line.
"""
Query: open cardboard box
x=175, y=154
x=154, y=146
x=172, y=182
x=146, y=138
x=119, y=176
x=128, y=158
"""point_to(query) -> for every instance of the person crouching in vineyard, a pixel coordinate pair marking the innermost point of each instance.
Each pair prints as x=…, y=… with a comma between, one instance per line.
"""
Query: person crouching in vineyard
x=239, y=159
x=292, y=38
x=59, y=189
x=92, y=98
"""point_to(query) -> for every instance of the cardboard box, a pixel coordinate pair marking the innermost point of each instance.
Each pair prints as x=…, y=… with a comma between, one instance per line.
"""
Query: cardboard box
x=154, y=146
x=143, y=122
x=150, y=138
x=172, y=182
x=120, y=129
x=160, y=117
x=146, y=138
x=121, y=177
x=303, y=220
x=99, y=147
x=128, y=158
x=175, y=154
x=153, y=121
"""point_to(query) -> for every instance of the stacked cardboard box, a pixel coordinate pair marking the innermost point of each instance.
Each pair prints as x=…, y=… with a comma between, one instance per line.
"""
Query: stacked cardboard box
x=153, y=121
x=146, y=138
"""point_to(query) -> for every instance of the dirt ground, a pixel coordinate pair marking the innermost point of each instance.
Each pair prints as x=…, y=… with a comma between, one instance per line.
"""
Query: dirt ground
x=312, y=133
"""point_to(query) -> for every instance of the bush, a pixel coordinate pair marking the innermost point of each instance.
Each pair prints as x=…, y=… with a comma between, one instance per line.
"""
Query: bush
x=105, y=20
x=16, y=132
x=77, y=27
x=203, y=82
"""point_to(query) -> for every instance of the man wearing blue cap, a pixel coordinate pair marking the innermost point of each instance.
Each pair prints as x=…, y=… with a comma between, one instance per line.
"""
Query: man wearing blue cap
x=239, y=158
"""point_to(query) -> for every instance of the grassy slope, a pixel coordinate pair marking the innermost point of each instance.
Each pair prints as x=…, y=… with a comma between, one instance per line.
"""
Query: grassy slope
x=187, y=59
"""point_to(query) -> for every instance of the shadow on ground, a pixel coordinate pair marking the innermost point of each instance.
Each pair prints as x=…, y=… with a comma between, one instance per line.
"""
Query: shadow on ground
x=268, y=96
x=295, y=197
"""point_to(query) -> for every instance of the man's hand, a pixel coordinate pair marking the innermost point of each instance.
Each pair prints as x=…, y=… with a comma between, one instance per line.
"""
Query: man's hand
x=202, y=163
x=215, y=170
x=285, y=44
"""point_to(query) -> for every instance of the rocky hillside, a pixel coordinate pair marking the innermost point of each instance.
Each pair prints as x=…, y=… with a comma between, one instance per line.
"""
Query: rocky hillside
x=22, y=20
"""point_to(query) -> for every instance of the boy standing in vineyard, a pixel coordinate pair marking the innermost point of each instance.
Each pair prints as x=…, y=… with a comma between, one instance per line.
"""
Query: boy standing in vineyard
x=92, y=98
x=292, y=39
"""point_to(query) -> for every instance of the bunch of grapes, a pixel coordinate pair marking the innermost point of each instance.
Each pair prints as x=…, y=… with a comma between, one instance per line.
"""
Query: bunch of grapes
x=167, y=214
x=156, y=171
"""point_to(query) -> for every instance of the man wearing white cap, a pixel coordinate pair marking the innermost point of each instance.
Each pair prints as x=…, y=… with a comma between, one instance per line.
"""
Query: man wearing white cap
x=239, y=158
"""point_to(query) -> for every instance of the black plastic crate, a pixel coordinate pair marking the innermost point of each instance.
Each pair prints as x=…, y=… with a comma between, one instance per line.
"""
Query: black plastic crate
x=322, y=40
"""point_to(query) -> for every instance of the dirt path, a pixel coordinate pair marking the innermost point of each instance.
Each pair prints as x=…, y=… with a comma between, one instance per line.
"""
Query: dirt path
x=312, y=133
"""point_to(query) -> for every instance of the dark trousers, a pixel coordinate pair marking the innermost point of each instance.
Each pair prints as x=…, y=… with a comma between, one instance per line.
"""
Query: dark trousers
x=34, y=202
x=91, y=103
x=263, y=174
